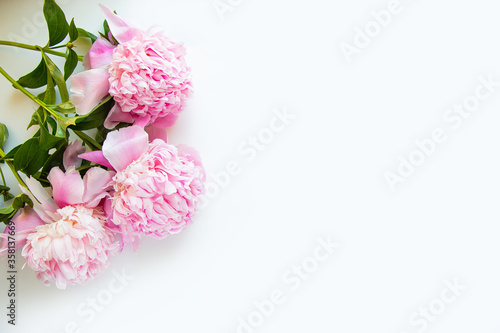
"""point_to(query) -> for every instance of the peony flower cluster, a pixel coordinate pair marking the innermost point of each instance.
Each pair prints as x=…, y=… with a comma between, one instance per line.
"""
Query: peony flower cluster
x=156, y=186
x=145, y=73
x=151, y=189
x=137, y=185
x=65, y=236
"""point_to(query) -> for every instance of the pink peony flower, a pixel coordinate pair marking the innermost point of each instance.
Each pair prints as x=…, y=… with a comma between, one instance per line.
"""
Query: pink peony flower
x=73, y=249
x=156, y=186
x=146, y=74
x=69, y=242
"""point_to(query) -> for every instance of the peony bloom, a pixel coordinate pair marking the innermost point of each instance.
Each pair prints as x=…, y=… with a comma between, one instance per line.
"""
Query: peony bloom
x=156, y=186
x=68, y=241
x=146, y=74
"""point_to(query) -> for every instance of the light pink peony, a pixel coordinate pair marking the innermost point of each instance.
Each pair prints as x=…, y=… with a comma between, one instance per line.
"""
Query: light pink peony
x=73, y=249
x=156, y=186
x=146, y=74
x=69, y=242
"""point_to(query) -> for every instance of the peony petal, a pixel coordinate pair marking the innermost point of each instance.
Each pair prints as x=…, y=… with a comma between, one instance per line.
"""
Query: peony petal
x=96, y=182
x=116, y=116
x=96, y=157
x=122, y=30
x=124, y=146
x=190, y=153
x=100, y=54
x=89, y=88
x=156, y=133
x=167, y=121
x=70, y=156
x=26, y=221
x=20, y=238
x=142, y=121
x=42, y=201
x=67, y=188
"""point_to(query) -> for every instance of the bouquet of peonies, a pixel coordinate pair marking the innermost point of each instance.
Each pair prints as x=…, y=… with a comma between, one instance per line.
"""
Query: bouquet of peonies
x=84, y=200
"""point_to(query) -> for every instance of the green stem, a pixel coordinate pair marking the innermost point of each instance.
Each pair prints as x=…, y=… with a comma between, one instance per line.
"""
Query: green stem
x=87, y=139
x=3, y=178
x=5, y=194
x=36, y=48
x=84, y=167
x=11, y=166
x=56, y=47
x=27, y=93
x=19, y=180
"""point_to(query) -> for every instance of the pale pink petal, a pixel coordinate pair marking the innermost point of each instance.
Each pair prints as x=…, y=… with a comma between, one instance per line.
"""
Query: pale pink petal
x=128, y=239
x=67, y=188
x=116, y=116
x=89, y=88
x=97, y=157
x=26, y=221
x=70, y=156
x=124, y=146
x=191, y=154
x=20, y=239
x=86, y=62
x=167, y=121
x=156, y=133
x=109, y=214
x=96, y=182
x=100, y=54
x=142, y=121
x=42, y=201
x=122, y=30
x=72, y=249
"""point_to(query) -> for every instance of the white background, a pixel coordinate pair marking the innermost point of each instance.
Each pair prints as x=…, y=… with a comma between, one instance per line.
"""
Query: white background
x=322, y=176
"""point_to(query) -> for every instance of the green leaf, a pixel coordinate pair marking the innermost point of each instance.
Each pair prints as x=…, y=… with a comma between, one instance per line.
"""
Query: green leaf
x=49, y=96
x=58, y=78
x=36, y=79
x=105, y=25
x=56, y=22
x=63, y=123
x=10, y=155
x=55, y=160
x=95, y=117
x=73, y=31
x=85, y=34
x=6, y=210
x=53, y=124
x=4, y=190
x=4, y=134
x=64, y=108
x=47, y=140
x=70, y=64
x=101, y=134
x=107, y=34
x=6, y=214
x=5, y=218
x=29, y=158
x=20, y=201
x=38, y=117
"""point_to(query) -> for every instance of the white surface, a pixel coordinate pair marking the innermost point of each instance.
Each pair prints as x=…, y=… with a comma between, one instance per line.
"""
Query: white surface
x=322, y=175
